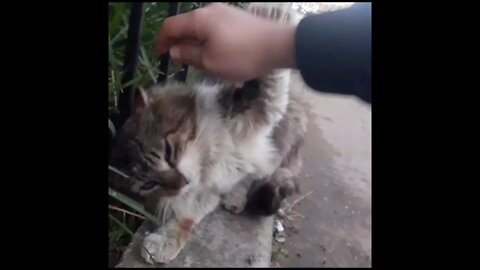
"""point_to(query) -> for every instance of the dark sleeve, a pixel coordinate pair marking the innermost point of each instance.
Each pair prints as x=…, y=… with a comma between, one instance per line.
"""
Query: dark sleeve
x=333, y=51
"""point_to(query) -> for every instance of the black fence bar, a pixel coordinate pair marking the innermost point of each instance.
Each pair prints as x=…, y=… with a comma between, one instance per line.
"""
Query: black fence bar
x=174, y=9
x=164, y=63
x=182, y=74
x=125, y=100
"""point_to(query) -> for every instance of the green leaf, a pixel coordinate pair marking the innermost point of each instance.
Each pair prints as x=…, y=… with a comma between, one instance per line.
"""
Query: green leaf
x=148, y=64
x=132, y=82
x=120, y=34
x=123, y=226
x=115, y=22
x=111, y=56
x=133, y=204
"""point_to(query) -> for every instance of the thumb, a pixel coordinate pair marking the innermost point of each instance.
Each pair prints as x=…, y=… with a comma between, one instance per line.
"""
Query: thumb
x=187, y=54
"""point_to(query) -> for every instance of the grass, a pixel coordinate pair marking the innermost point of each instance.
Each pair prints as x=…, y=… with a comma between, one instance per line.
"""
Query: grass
x=126, y=215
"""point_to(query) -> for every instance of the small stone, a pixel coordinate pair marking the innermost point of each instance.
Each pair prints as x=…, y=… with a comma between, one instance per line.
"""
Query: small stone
x=279, y=226
x=298, y=255
x=251, y=260
x=280, y=238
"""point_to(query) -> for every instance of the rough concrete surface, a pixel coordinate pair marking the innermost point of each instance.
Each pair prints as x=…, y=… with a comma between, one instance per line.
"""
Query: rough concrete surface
x=220, y=240
x=335, y=230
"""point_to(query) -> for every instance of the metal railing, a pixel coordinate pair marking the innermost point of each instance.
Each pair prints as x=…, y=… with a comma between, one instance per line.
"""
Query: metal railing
x=130, y=63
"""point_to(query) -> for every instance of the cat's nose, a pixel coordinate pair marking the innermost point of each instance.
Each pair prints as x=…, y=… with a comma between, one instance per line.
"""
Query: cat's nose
x=184, y=179
x=181, y=179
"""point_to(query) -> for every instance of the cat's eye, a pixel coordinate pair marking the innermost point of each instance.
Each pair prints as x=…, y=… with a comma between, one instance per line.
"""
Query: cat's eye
x=168, y=150
x=154, y=154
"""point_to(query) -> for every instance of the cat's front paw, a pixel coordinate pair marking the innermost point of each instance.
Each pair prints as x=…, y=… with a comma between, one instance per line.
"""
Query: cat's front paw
x=159, y=248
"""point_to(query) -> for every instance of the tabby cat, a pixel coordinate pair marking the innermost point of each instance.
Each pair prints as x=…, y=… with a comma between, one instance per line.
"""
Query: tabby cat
x=188, y=148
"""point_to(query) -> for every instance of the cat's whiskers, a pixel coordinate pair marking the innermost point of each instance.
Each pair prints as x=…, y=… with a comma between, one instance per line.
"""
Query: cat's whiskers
x=165, y=210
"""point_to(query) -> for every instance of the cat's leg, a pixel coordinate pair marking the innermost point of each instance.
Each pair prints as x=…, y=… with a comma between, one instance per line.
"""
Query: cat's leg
x=189, y=209
x=261, y=102
x=258, y=104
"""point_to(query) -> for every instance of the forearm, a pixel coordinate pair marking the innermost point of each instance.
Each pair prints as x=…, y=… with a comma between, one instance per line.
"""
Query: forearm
x=333, y=51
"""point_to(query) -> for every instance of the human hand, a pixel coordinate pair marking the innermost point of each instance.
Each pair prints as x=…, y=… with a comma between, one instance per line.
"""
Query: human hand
x=227, y=42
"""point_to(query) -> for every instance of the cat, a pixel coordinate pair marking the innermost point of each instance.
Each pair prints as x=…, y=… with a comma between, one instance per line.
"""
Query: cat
x=186, y=149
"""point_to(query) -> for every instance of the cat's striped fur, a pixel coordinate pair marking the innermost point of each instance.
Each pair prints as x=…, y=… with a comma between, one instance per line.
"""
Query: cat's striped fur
x=187, y=147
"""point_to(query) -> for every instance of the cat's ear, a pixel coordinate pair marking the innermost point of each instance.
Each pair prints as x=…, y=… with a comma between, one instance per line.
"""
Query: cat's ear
x=140, y=101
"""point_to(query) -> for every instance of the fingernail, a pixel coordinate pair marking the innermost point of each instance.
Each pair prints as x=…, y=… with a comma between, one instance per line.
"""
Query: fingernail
x=174, y=53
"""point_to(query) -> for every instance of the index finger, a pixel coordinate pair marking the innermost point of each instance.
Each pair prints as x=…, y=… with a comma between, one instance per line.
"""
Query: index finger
x=176, y=28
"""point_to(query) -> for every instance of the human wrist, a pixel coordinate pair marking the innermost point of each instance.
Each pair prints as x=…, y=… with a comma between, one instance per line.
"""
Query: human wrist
x=280, y=47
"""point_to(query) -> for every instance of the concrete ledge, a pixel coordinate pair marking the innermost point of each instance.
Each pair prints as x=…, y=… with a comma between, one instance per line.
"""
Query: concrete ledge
x=220, y=240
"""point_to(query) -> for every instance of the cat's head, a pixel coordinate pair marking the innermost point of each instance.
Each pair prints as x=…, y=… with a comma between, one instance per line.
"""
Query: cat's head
x=151, y=142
